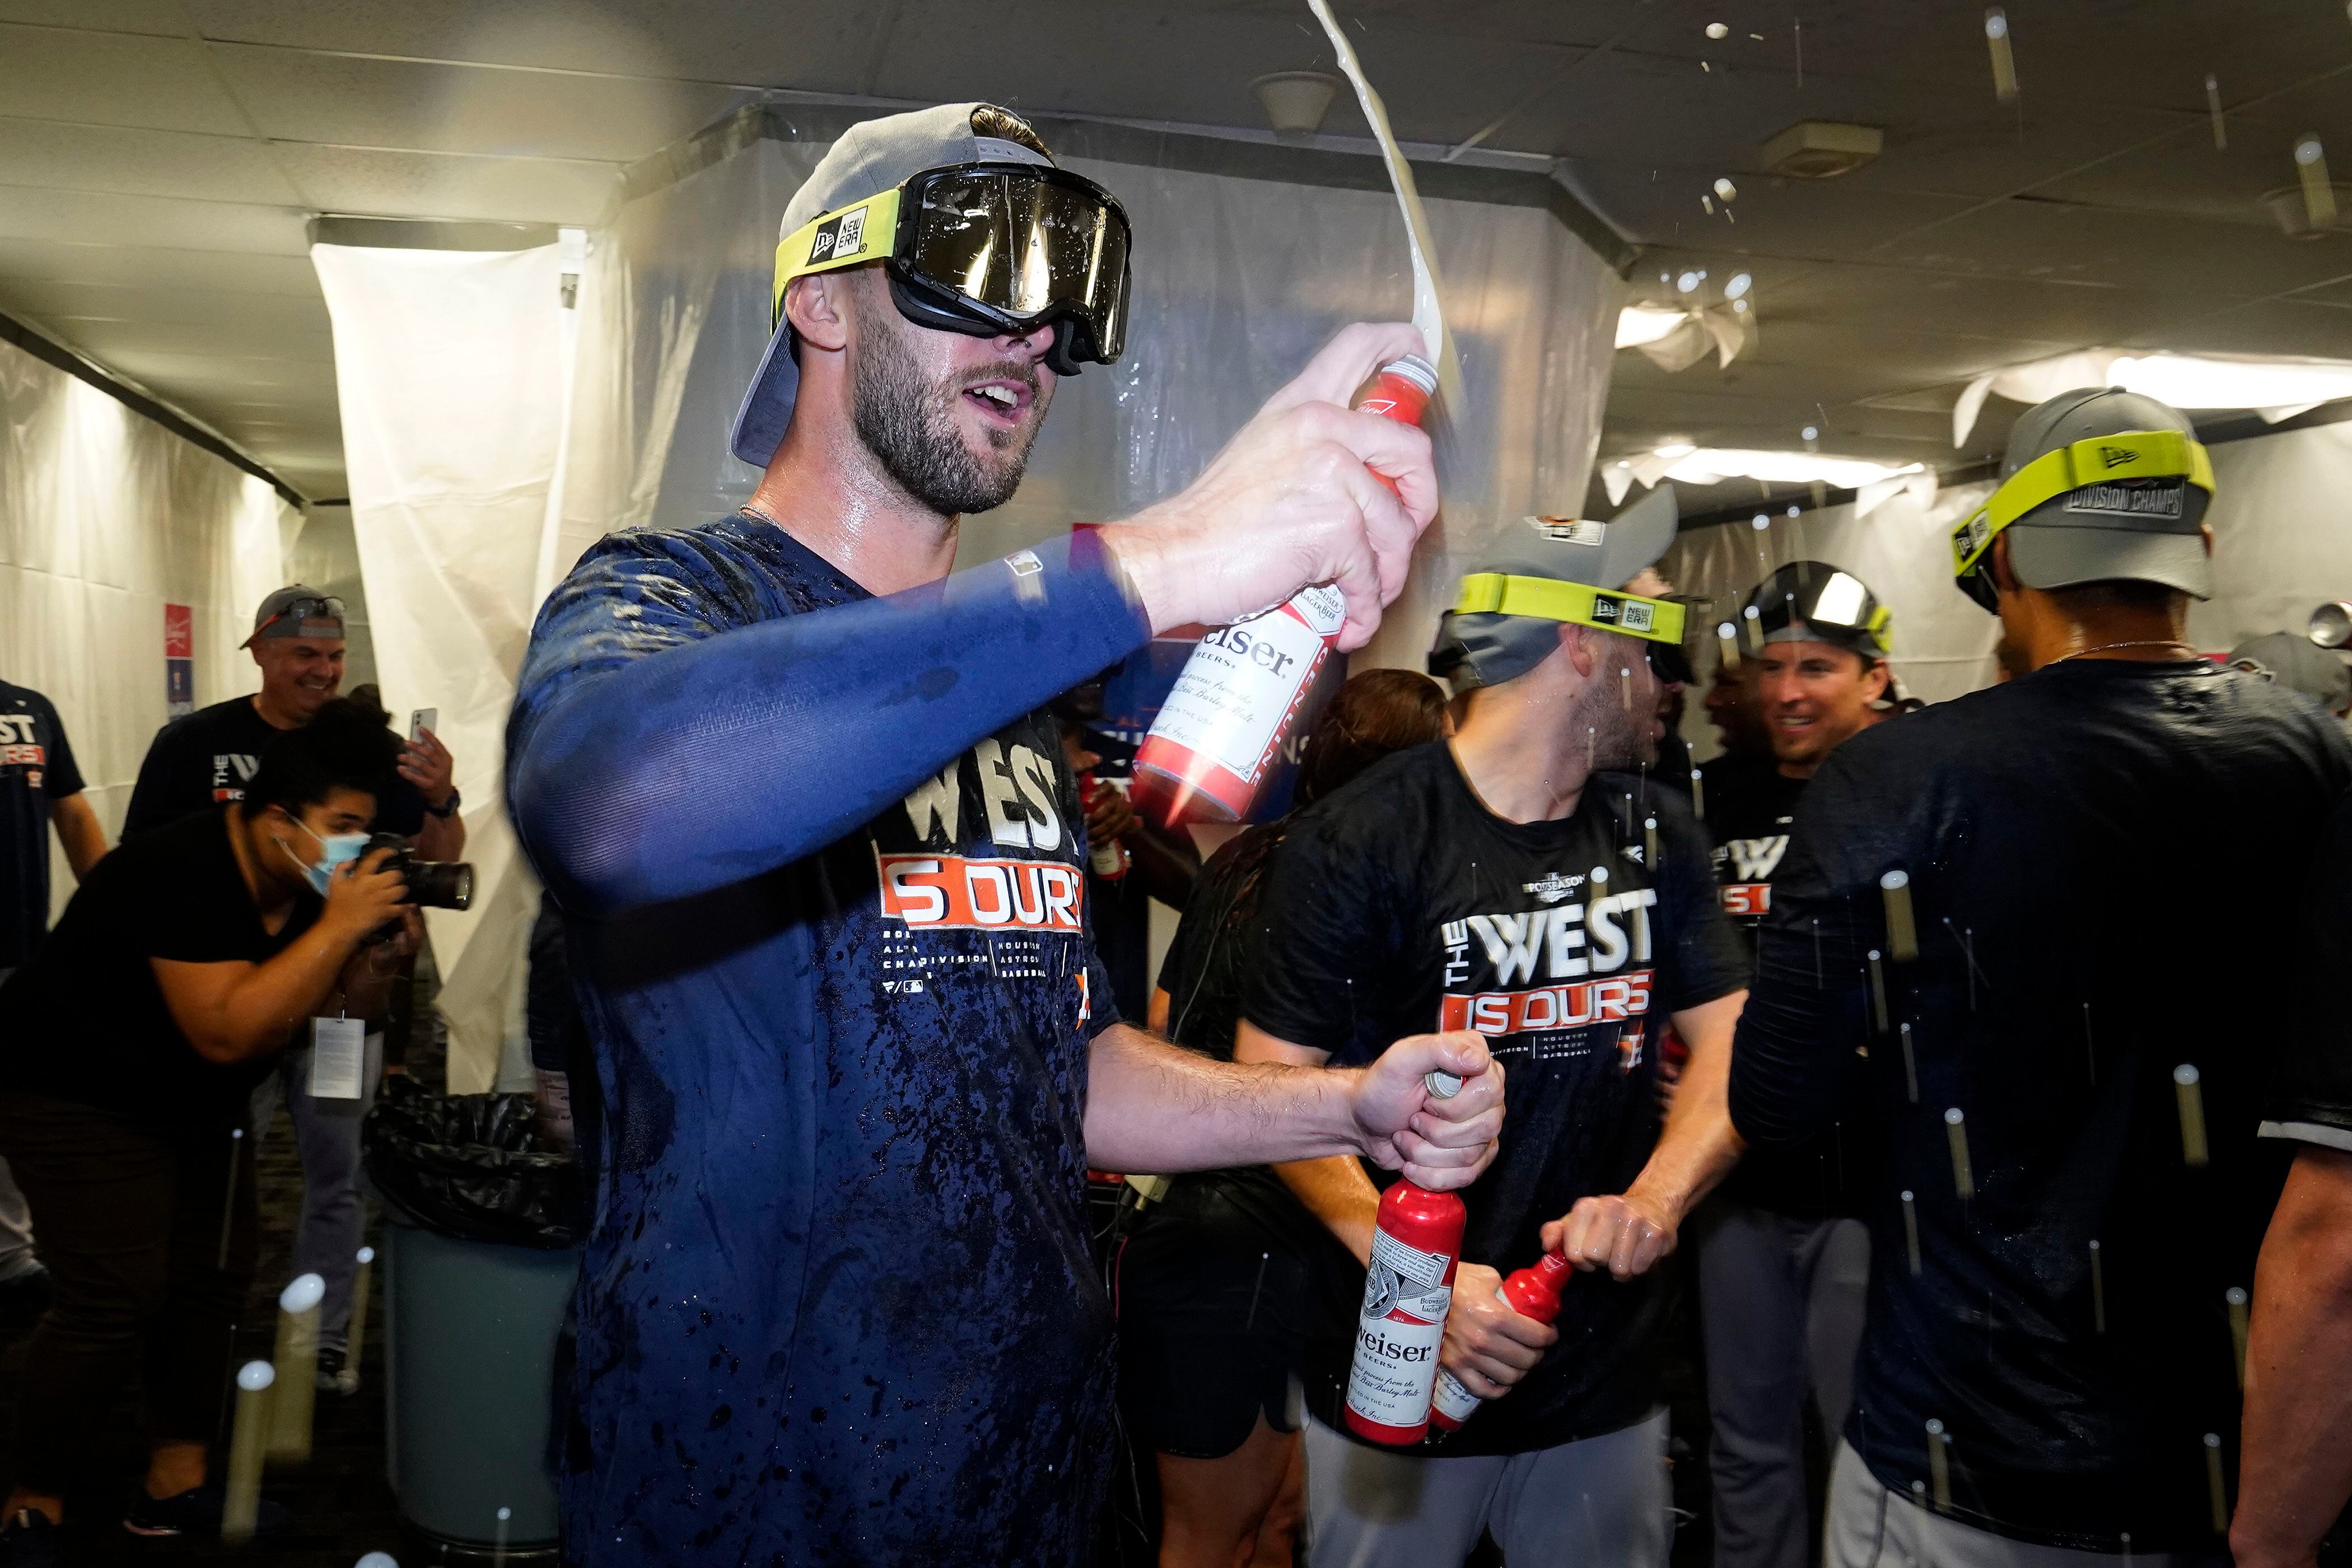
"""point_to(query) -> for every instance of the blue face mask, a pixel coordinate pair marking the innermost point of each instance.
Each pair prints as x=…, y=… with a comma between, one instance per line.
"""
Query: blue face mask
x=334, y=850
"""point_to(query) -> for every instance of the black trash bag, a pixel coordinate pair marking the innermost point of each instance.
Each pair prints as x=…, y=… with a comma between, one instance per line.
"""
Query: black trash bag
x=472, y=1166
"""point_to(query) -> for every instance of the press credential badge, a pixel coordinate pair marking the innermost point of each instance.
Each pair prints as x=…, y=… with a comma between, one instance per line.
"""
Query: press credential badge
x=337, y=1054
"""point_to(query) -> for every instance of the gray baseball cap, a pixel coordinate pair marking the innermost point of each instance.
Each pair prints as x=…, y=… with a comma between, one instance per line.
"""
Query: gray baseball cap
x=873, y=156
x=1485, y=648
x=2295, y=661
x=2142, y=531
x=297, y=611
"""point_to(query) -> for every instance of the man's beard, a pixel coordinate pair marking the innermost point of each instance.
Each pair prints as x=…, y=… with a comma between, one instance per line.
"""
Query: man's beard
x=908, y=423
x=1619, y=736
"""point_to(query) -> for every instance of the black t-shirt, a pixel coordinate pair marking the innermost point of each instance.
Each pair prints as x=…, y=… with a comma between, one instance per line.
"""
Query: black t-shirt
x=86, y=1021
x=2106, y=860
x=1400, y=905
x=1750, y=804
x=36, y=766
x=207, y=758
x=2310, y=1100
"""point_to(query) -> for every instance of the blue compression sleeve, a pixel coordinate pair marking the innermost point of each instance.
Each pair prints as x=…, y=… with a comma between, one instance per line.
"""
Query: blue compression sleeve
x=671, y=735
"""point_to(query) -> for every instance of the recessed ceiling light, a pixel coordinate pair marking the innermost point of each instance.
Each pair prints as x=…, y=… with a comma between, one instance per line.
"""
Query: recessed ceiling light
x=1821, y=149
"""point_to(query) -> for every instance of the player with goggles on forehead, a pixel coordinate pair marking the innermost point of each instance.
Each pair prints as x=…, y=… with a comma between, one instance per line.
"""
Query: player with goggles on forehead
x=821, y=865
x=1980, y=911
x=1526, y=879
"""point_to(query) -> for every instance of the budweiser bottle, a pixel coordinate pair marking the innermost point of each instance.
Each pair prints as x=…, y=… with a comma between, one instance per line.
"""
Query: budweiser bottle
x=1241, y=691
x=1106, y=858
x=1416, y=1242
x=1529, y=1292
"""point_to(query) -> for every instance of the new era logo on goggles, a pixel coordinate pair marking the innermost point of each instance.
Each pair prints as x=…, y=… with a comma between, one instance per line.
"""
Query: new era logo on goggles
x=985, y=250
x=2100, y=460
x=1654, y=621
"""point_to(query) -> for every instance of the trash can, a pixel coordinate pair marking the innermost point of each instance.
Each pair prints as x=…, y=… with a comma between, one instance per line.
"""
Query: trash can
x=479, y=1268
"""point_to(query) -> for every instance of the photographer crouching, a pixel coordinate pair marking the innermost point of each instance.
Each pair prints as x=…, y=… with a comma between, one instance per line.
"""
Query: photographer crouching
x=186, y=963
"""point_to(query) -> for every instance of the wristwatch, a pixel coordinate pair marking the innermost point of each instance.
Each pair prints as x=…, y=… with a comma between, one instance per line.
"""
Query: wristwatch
x=448, y=809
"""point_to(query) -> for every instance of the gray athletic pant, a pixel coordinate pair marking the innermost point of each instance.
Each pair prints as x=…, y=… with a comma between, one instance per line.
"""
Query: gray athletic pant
x=1781, y=1307
x=1873, y=1527
x=1599, y=1503
x=16, y=1258
x=334, y=1216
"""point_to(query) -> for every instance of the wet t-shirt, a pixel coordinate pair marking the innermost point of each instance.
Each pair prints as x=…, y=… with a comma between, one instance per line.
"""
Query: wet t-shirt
x=837, y=1305
x=1751, y=807
x=36, y=766
x=1399, y=906
x=2106, y=864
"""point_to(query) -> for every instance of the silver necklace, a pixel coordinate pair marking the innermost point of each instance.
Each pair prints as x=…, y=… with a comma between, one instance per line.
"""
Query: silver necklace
x=2111, y=646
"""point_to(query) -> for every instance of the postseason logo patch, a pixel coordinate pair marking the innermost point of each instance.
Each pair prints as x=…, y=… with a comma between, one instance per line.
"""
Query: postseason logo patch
x=1625, y=615
x=2129, y=498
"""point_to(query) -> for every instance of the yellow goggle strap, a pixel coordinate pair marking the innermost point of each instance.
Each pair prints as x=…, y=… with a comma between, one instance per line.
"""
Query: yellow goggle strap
x=862, y=231
x=2136, y=455
x=1499, y=594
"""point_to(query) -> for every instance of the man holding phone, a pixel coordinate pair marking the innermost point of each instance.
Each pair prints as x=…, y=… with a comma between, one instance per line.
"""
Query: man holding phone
x=205, y=758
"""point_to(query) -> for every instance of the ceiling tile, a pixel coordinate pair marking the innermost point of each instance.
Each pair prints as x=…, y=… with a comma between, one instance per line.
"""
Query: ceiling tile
x=113, y=78
x=168, y=17
x=141, y=162
x=352, y=102
x=2091, y=244
x=817, y=49
x=88, y=218
x=1439, y=84
x=191, y=307
x=291, y=339
x=450, y=185
x=154, y=267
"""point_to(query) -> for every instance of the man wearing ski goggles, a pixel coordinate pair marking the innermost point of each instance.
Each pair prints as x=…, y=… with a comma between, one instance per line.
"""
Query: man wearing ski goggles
x=820, y=861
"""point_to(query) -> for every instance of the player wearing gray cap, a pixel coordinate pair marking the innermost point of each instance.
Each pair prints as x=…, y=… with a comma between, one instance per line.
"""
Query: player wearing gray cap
x=1781, y=1263
x=1526, y=879
x=820, y=866
x=2008, y=902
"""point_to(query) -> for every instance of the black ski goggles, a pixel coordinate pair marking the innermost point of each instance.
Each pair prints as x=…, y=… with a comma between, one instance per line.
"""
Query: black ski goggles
x=1825, y=604
x=985, y=250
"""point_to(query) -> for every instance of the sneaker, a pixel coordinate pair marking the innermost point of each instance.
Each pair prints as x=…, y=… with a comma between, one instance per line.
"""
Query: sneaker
x=196, y=1512
x=335, y=1376
x=23, y=1299
x=29, y=1541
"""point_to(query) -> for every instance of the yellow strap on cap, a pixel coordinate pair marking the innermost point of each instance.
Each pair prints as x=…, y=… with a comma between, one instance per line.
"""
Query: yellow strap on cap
x=862, y=231
x=1500, y=594
x=2134, y=455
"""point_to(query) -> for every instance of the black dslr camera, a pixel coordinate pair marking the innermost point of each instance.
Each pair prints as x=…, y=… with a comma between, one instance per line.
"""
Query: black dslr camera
x=433, y=884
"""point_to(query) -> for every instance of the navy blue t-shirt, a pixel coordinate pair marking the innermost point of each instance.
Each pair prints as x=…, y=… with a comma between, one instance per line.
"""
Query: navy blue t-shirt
x=838, y=1303
x=36, y=766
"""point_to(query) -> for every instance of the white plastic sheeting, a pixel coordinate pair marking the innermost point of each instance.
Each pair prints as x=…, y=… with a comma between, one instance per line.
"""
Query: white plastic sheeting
x=1237, y=281
x=450, y=370
x=2276, y=386
x=2281, y=545
x=105, y=518
x=1943, y=642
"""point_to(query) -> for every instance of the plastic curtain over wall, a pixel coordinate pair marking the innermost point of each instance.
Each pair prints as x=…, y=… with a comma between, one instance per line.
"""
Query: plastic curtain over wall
x=2280, y=546
x=105, y=518
x=1237, y=281
x=451, y=368
x=1943, y=642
